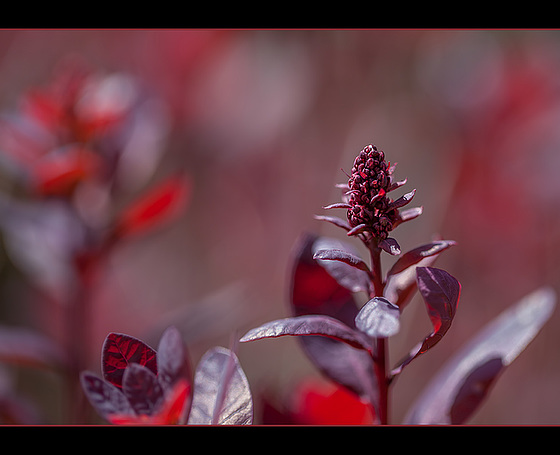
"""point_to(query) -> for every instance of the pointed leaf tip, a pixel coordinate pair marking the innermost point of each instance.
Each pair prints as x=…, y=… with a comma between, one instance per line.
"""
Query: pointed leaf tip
x=337, y=205
x=441, y=292
x=403, y=200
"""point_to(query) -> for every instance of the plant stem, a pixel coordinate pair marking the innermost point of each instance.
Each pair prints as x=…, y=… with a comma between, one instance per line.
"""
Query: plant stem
x=78, y=329
x=375, y=253
x=381, y=373
x=77, y=338
x=380, y=350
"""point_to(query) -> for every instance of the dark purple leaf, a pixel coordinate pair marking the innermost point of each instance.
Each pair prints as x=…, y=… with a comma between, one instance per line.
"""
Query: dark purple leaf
x=396, y=185
x=105, y=398
x=474, y=389
x=342, y=256
x=357, y=229
x=173, y=362
x=142, y=389
x=309, y=325
x=415, y=255
x=121, y=350
x=162, y=203
x=402, y=201
x=345, y=365
x=221, y=393
x=26, y=347
x=401, y=278
x=337, y=205
x=315, y=291
x=334, y=220
x=379, y=318
x=342, y=262
x=460, y=387
x=441, y=293
x=391, y=246
x=407, y=215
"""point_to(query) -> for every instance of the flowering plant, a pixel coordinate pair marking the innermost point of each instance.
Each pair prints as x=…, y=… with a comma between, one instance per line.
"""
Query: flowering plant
x=74, y=158
x=348, y=342
x=143, y=386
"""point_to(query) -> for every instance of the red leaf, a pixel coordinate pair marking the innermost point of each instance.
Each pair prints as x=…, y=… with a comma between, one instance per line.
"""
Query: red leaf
x=177, y=403
x=119, y=351
x=44, y=107
x=60, y=172
x=159, y=205
x=459, y=388
x=441, y=293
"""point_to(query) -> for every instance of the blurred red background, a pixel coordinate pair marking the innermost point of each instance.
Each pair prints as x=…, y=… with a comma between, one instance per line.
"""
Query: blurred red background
x=262, y=121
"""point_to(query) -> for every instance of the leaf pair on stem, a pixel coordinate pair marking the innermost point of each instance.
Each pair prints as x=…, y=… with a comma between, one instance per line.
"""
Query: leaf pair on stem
x=340, y=337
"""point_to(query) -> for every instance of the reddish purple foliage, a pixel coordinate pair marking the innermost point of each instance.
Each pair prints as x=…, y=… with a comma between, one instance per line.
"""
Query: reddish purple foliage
x=119, y=351
x=142, y=386
x=326, y=275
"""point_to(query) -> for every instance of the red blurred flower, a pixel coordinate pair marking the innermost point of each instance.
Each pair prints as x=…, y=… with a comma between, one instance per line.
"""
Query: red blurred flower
x=61, y=135
x=78, y=104
x=321, y=403
x=60, y=172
